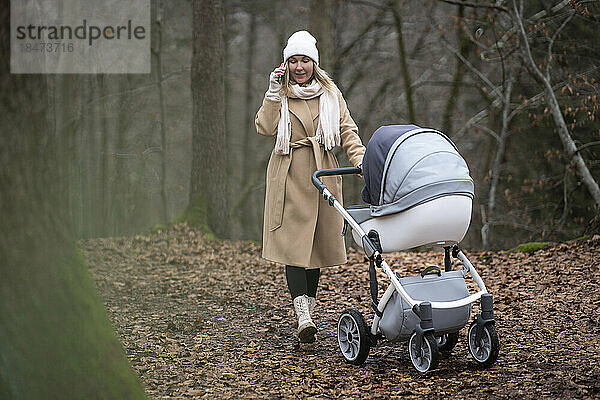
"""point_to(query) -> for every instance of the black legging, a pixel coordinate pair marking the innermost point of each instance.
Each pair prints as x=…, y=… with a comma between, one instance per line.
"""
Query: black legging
x=302, y=281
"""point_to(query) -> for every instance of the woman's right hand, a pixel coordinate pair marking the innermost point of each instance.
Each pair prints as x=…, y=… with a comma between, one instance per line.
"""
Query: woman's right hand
x=275, y=78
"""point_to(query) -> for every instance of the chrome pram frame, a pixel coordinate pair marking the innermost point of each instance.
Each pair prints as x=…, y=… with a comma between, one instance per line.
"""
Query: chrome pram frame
x=422, y=340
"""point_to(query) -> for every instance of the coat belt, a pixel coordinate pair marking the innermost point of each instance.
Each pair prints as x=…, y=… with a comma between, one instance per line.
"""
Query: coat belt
x=282, y=174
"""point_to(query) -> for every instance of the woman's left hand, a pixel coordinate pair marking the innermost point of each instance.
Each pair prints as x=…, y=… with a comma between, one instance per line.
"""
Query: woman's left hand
x=360, y=175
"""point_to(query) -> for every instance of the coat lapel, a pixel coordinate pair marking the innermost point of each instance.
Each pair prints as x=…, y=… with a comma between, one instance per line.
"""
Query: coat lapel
x=313, y=105
x=301, y=111
x=314, y=112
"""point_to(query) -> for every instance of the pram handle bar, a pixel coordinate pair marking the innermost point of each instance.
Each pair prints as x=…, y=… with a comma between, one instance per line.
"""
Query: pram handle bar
x=369, y=248
x=332, y=171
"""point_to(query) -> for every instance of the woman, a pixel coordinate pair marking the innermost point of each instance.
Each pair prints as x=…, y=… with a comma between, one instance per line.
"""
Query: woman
x=308, y=115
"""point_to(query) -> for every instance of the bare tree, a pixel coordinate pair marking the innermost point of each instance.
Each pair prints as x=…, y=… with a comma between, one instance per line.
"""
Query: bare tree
x=397, y=11
x=488, y=217
x=158, y=60
x=208, y=204
x=248, y=178
x=104, y=187
x=321, y=14
x=464, y=48
x=543, y=78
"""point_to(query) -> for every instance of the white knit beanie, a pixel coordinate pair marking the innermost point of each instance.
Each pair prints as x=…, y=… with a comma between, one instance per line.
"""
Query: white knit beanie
x=301, y=43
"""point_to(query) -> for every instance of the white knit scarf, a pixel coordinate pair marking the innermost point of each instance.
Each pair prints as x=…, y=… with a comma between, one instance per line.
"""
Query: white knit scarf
x=328, y=130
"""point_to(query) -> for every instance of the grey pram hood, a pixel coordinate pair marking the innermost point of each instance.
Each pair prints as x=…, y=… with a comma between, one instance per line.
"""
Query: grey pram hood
x=405, y=165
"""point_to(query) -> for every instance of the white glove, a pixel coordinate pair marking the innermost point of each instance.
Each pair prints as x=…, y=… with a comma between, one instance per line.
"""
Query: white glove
x=275, y=83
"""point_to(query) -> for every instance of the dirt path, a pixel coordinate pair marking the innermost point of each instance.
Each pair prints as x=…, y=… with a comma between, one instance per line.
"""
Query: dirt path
x=204, y=319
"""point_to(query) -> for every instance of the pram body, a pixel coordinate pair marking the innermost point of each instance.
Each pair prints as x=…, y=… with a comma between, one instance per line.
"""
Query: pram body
x=419, y=192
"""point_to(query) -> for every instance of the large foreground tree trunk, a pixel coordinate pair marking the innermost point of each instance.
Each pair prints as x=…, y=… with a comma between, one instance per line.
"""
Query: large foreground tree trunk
x=55, y=338
x=208, y=206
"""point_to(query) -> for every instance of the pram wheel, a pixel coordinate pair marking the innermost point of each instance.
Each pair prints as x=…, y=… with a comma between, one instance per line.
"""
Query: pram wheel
x=352, y=333
x=427, y=357
x=447, y=341
x=486, y=351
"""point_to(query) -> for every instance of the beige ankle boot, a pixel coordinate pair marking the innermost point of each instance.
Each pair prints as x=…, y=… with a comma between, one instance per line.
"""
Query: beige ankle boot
x=306, y=328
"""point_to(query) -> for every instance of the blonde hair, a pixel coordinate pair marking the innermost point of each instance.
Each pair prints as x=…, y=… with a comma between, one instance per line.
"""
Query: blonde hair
x=318, y=74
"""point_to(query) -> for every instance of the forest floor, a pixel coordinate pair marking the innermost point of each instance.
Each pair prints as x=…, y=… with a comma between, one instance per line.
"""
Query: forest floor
x=211, y=319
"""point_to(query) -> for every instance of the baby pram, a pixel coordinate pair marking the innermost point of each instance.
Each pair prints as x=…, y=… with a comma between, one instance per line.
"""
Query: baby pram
x=419, y=193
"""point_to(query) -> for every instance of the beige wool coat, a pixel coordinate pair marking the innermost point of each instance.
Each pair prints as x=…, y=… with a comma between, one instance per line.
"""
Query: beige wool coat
x=300, y=228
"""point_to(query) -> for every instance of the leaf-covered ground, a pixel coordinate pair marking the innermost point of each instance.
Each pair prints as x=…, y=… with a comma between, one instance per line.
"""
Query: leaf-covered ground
x=211, y=319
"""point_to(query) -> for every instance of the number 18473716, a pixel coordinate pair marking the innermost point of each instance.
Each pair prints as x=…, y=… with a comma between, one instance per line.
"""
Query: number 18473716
x=46, y=47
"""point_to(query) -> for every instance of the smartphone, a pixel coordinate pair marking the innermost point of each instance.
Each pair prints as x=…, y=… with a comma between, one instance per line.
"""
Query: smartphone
x=284, y=65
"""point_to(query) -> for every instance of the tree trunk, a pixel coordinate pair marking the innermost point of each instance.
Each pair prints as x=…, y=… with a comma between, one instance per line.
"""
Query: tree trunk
x=463, y=49
x=120, y=185
x=157, y=56
x=208, y=204
x=95, y=156
x=396, y=9
x=497, y=164
x=89, y=149
x=104, y=196
x=249, y=155
x=321, y=27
